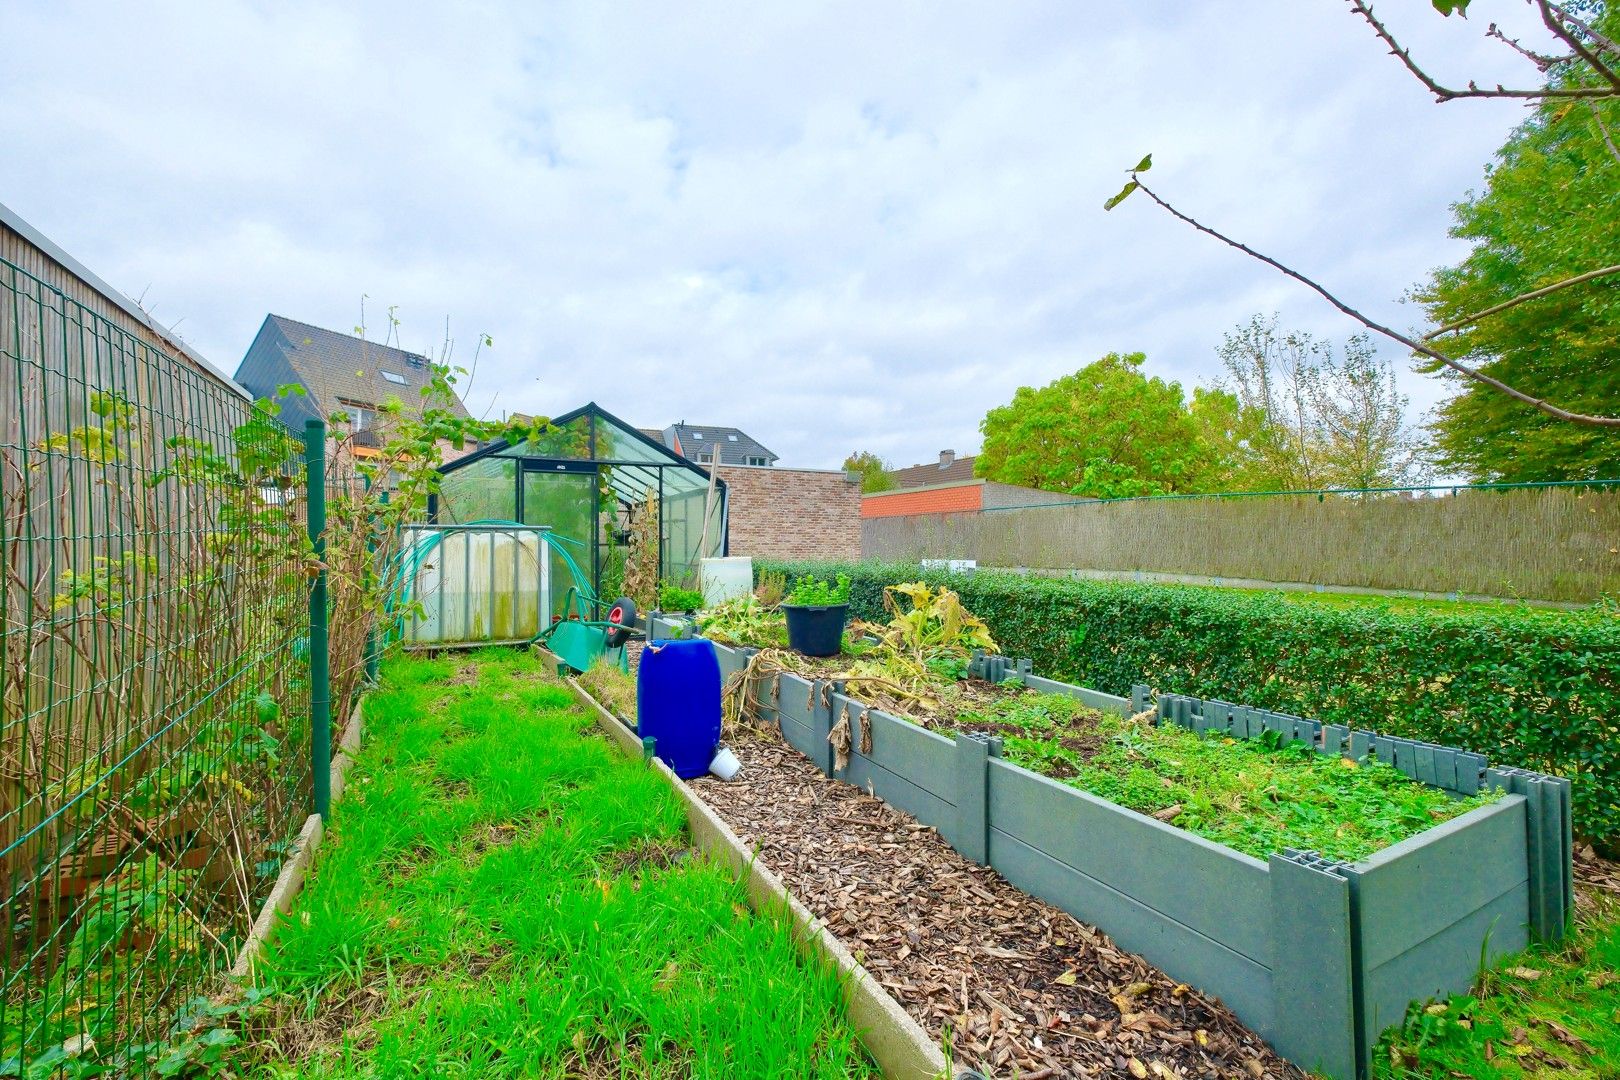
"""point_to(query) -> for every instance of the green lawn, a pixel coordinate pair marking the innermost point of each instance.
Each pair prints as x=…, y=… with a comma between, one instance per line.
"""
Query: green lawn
x=1548, y=1012
x=502, y=893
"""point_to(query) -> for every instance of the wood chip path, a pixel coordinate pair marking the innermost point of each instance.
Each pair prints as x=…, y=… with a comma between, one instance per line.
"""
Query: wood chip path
x=1024, y=989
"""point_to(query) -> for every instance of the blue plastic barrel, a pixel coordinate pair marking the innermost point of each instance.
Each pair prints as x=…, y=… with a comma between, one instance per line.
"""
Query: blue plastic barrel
x=678, y=703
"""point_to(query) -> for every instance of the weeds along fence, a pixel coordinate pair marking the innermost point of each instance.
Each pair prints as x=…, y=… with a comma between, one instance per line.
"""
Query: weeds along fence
x=1554, y=542
x=155, y=666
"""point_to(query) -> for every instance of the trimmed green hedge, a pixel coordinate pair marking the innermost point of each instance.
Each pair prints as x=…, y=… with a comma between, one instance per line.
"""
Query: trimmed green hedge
x=1537, y=690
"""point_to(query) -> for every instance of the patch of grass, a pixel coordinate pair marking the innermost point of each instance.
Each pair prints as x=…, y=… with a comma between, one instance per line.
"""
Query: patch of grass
x=501, y=893
x=1547, y=1012
x=613, y=688
x=1256, y=796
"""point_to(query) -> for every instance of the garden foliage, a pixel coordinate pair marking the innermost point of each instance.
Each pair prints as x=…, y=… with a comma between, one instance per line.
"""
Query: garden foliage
x=1532, y=689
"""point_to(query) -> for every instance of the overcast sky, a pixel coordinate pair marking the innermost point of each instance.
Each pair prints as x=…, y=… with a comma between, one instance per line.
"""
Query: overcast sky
x=836, y=226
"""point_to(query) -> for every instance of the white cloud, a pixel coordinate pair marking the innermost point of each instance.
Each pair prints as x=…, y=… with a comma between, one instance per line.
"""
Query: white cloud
x=834, y=225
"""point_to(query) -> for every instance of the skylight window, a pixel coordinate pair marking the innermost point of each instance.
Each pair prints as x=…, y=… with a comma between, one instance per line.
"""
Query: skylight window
x=733, y=438
x=697, y=434
x=394, y=377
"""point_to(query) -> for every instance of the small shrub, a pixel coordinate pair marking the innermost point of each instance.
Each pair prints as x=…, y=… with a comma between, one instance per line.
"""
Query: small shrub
x=675, y=598
x=771, y=589
x=811, y=591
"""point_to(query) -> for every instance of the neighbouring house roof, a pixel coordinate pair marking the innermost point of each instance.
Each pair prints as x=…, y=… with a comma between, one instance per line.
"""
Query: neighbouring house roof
x=938, y=472
x=697, y=442
x=333, y=369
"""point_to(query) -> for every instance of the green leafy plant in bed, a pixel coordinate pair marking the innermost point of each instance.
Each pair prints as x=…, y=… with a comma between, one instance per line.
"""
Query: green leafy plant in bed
x=810, y=591
x=1256, y=796
x=744, y=621
x=676, y=598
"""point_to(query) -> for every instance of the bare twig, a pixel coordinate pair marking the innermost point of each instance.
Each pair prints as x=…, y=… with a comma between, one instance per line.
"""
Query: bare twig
x=1556, y=22
x=1446, y=93
x=1603, y=44
x=1417, y=346
x=1534, y=294
x=1541, y=60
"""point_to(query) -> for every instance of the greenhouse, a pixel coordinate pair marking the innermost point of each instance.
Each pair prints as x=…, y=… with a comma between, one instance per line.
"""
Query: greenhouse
x=603, y=488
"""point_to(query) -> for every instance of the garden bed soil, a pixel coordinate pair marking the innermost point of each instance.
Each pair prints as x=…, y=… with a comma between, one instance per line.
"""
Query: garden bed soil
x=1021, y=987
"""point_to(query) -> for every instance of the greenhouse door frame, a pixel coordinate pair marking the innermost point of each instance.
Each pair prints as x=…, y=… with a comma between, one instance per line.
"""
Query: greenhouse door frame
x=564, y=466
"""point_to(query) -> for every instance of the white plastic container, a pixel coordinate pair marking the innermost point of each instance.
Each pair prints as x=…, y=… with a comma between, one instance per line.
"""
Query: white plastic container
x=725, y=764
x=726, y=578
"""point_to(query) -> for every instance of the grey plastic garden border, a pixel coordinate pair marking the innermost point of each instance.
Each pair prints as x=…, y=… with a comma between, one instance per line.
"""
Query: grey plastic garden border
x=1317, y=956
x=897, y=1043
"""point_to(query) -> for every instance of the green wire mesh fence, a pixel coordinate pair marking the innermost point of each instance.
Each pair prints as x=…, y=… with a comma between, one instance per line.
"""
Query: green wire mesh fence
x=154, y=666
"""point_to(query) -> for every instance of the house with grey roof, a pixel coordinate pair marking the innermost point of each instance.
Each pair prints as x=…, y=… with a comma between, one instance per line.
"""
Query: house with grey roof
x=340, y=373
x=949, y=470
x=698, y=442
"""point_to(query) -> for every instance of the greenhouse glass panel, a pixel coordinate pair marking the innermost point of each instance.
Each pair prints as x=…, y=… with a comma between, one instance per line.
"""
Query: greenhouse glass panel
x=587, y=478
x=614, y=443
x=565, y=501
x=565, y=439
x=485, y=490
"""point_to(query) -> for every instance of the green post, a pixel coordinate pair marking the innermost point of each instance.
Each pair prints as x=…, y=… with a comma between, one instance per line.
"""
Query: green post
x=320, y=660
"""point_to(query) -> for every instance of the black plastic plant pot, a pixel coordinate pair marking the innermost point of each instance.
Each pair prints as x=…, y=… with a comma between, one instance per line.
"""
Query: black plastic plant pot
x=817, y=630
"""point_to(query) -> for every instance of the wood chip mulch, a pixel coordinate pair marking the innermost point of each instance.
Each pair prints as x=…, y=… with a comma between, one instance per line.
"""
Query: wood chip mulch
x=1024, y=989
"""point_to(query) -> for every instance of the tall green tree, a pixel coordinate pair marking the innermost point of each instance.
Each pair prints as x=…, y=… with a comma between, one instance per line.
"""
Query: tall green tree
x=1109, y=431
x=875, y=474
x=1550, y=210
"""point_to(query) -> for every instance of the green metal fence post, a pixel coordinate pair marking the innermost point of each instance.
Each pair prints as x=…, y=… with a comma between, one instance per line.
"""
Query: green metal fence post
x=320, y=660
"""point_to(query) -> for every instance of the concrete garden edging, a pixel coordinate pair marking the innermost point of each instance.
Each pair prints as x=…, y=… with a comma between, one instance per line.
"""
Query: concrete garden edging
x=897, y=1043
x=1315, y=955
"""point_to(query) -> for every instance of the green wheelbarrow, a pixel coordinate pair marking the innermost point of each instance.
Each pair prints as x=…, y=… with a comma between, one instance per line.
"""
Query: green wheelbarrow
x=587, y=630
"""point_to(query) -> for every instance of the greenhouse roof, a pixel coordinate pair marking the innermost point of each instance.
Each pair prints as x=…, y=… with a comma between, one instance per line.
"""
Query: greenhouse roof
x=591, y=434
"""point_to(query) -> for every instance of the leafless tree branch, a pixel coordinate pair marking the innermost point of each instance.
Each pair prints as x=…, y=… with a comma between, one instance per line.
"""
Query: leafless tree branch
x=1422, y=348
x=1602, y=43
x=1534, y=294
x=1542, y=61
x=1446, y=93
x=1556, y=22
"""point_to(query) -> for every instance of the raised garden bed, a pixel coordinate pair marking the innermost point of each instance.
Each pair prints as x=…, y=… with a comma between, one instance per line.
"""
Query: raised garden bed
x=1013, y=985
x=1318, y=955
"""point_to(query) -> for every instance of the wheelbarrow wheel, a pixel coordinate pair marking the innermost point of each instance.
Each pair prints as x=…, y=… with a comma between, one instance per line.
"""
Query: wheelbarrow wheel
x=622, y=620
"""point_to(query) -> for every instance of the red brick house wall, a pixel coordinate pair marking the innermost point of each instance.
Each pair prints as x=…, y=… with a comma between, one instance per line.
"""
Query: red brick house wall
x=792, y=513
x=933, y=500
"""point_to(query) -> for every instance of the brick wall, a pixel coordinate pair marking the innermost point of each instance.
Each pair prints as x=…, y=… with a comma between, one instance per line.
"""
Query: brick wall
x=793, y=513
x=946, y=499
